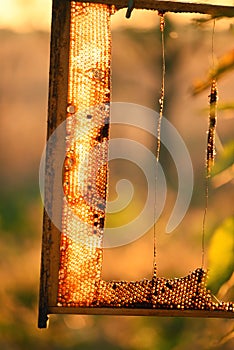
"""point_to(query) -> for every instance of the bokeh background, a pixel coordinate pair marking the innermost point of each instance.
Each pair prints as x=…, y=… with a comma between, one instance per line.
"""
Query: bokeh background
x=24, y=67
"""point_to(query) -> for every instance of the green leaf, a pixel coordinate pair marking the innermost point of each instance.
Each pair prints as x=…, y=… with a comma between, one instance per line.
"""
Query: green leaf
x=224, y=65
x=225, y=159
x=226, y=106
x=221, y=255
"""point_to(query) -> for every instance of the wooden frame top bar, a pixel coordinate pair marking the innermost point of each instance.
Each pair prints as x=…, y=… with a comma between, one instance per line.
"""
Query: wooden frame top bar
x=172, y=6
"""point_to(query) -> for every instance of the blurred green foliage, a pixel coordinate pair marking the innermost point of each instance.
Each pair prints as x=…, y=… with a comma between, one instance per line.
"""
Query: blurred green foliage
x=221, y=255
x=225, y=159
x=15, y=203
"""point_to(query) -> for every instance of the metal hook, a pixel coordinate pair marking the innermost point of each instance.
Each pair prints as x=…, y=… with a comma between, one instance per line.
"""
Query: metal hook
x=130, y=8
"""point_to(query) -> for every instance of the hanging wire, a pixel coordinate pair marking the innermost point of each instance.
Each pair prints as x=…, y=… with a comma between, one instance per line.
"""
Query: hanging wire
x=158, y=132
x=212, y=44
x=204, y=221
x=210, y=151
x=130, y=8
x=161, y=99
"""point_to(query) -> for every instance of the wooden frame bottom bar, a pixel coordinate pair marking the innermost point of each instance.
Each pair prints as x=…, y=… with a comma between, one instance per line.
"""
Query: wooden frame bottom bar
x=138, y=312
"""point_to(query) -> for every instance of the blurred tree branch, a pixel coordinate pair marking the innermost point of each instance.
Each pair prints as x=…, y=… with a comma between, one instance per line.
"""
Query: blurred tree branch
x=223, y=66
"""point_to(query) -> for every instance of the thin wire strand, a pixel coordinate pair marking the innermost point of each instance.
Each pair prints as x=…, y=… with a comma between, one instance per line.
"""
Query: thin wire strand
x=210, y=146
x=212, y=45
x=204, y=220
x=161, y=100
x=158, y=145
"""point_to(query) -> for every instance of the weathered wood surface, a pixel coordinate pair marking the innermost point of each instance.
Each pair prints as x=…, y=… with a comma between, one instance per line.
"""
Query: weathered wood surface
x=173, y=6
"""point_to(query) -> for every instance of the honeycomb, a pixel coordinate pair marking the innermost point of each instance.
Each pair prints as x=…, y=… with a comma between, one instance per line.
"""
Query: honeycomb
x=85, y=179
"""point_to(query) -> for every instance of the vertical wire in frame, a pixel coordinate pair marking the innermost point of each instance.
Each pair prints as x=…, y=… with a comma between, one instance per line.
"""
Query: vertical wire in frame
x=161, y=100
x=210, y=151
x=212, y=43
x=158, y=131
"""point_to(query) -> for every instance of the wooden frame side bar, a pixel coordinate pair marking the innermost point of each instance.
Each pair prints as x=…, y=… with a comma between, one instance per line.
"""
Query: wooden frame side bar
x=58, y=82
x=172, y=6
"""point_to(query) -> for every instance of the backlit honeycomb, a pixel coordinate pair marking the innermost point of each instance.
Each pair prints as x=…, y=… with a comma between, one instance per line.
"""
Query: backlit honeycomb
x=85, y=170
x=85, y=184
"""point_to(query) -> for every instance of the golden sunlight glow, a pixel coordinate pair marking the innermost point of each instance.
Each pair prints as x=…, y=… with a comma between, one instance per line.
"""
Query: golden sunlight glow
x=27, y=15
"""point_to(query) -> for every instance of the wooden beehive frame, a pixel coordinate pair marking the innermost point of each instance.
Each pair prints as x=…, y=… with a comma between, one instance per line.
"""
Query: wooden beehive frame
x=59, y=64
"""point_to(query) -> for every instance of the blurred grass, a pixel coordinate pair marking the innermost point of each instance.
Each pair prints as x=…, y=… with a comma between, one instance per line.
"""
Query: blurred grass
x=16, y=211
